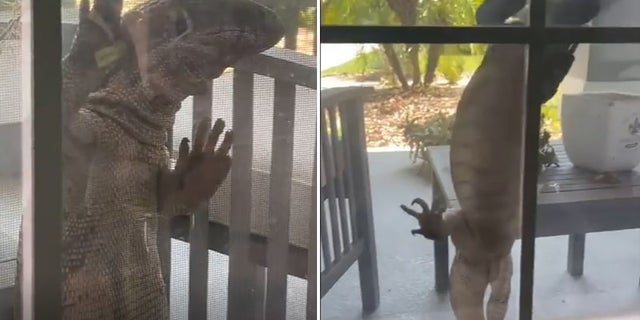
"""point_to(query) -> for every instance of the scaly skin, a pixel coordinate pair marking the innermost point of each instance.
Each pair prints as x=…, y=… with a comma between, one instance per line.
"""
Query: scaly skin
x=485, y=132
x=486, y=171
x=486, y=160
x=121, y=184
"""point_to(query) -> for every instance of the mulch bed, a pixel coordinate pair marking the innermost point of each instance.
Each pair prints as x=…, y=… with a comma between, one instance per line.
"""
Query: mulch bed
x=386, y=111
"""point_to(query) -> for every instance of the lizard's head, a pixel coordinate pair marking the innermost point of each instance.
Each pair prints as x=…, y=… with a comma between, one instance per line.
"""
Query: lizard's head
x=182, y=44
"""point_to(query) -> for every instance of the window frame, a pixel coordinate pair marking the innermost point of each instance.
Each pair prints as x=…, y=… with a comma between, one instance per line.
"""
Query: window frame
x=41, y=144
x=536, y=35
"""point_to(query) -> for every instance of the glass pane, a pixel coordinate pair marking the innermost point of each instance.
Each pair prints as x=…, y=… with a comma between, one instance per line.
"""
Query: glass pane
x=137, y=79
x=427, y=12
x=588, y=201
x=470, y=106
x=12, y=72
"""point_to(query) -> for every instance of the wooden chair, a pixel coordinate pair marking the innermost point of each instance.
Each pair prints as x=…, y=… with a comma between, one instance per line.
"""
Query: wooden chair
x=346, y=219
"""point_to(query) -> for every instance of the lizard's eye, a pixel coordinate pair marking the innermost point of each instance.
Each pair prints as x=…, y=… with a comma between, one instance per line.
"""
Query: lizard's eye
x=183, y=24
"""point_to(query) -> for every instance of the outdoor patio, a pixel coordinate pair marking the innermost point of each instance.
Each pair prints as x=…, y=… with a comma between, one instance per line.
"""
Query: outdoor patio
x=609, y=287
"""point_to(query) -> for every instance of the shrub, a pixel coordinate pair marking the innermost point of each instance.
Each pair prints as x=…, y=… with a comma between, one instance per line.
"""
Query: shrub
x=433, y=131
x=451, y=68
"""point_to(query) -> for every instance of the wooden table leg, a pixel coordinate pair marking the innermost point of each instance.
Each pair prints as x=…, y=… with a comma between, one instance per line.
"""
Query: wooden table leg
x=441, y=252
x=575, y=259
x=440, y=247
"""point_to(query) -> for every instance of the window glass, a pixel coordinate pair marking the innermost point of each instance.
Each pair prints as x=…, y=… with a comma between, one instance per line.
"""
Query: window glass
x=444, y=125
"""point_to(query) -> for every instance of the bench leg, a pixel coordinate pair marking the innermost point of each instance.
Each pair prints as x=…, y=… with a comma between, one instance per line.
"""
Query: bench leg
x=575, y=260
x=440, y=247
x=259, y=293
x=441, y=252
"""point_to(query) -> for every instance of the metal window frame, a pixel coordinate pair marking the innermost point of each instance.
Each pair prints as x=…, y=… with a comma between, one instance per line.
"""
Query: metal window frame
x=42, y=158
x=536, y=35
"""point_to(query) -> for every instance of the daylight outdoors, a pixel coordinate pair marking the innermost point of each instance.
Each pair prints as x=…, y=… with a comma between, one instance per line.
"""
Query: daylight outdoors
x=242, y=255
x=406, y=97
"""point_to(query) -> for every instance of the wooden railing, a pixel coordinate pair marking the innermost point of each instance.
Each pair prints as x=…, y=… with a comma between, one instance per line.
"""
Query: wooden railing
x=346, y=230
x=258, y=264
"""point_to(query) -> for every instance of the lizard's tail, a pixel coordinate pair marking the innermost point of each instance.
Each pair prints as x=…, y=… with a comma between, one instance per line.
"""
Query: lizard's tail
x=500, y=279
x=469, y=281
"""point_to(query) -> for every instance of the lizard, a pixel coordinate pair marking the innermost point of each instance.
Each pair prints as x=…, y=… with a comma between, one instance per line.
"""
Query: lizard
x=489, y=129
x=172, y=49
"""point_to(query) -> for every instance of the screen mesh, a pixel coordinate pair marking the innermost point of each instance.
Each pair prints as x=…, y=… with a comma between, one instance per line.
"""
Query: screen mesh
x=10, y=114
x=304, y=144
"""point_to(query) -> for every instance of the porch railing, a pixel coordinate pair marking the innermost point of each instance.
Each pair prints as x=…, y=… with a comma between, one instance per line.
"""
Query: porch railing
x=258, y=264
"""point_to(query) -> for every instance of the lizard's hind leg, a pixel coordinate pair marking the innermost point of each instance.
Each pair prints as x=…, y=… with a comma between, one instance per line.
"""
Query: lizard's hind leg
x=500, y=277
x=469, y=281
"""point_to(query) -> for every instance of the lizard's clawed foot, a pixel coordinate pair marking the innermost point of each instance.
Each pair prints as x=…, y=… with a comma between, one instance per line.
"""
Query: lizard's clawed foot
x=418, y=231
x=413, y=213
x=431, y=224
x=200, y=172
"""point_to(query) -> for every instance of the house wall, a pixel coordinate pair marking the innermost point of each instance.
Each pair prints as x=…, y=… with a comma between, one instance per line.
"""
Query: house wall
x=608, y=67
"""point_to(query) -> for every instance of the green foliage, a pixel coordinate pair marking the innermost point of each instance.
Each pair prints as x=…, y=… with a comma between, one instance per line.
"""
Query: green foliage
x=374, y=62
x=430, y=12
x=372, y=12
x=356, y=12
x=550, y=116
x=308, y=18
x=451, y=68
x=365, y=62
x=433, y=131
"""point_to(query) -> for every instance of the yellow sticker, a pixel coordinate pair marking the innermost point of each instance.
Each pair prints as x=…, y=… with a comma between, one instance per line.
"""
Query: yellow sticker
x=107, y=57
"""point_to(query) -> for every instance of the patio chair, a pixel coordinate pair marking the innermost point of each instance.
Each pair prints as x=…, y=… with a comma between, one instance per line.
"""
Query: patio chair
x=346, y=219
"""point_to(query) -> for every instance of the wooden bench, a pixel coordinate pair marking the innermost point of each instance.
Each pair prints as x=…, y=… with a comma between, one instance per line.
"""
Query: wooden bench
x=571, y=202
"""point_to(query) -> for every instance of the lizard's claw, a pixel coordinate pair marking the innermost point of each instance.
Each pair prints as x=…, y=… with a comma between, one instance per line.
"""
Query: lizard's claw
x=422, y=204
x=200, y=172
x=410, y=211
x=413, y=213
x=431, y=224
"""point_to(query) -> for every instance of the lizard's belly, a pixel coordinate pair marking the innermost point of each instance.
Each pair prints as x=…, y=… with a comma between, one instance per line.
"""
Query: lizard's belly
x=111, y=264
x=486, y=169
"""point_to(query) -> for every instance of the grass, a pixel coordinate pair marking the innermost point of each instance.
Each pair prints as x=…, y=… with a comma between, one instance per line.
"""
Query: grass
x=375, y=62
x=368, y=62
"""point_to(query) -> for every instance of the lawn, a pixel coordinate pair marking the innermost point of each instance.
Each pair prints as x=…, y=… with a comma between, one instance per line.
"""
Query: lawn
x=375, y=63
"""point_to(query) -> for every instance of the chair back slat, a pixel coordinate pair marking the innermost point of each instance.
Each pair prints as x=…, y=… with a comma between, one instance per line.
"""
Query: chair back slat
x=198, y=231
x=279, y=198
x=241, y=279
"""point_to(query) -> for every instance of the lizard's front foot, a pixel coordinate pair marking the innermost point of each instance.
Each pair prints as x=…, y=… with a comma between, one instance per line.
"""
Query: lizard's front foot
x=431, y=224
x=199, y=172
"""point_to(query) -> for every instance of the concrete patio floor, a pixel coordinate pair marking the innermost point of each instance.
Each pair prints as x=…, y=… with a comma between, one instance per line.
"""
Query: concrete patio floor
x=609, y=288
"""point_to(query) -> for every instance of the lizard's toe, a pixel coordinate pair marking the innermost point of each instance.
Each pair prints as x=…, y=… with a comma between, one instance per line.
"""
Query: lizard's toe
x=422, y=204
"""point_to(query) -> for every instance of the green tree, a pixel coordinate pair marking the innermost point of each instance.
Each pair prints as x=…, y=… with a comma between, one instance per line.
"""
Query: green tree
x=444, y=13
x=364, y=12
x=407, y=12
x=404, y=12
